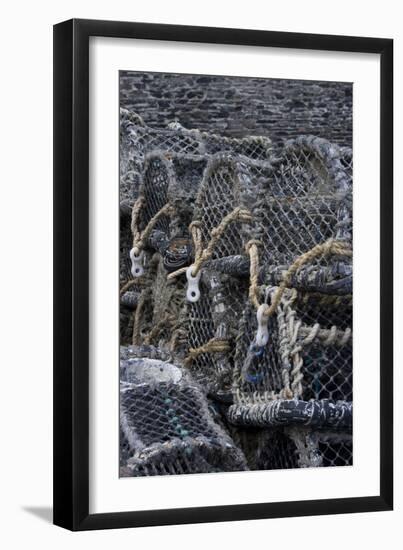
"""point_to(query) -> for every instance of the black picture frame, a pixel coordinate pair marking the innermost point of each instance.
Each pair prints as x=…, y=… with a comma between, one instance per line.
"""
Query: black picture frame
x=71, y=274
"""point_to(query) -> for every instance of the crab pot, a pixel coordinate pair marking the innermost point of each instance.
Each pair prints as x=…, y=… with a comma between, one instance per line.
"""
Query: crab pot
x=171, y=178
x=227, y=184
x=309, y=201
x=137, y=141
x=158, y=175
x=308, y=357
x=166, y=424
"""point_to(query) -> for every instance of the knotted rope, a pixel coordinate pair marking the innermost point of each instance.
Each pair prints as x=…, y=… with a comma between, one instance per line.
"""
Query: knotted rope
x=239, y=214
x=331, y=246
x=140, y=237
x=166, y=320
x=215, y=345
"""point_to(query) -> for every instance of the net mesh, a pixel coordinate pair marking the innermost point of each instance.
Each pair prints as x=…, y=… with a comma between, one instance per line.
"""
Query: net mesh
x=336, y=451
x=322, y=448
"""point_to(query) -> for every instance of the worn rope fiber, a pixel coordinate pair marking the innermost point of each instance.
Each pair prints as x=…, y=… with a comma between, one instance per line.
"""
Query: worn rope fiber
x=239, y=214
x=215, y=345
x=140, y=237
x=326, y=299
x=331, y=246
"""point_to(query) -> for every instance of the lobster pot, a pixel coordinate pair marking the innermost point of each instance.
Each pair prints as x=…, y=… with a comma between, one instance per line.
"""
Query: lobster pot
x=166, y=425
x=227, y=184
x=136, y=305
x=309, y=201
x=170, y=178
x=308, y=361
x=157, y=314
x=169, y=237
x=137, y=140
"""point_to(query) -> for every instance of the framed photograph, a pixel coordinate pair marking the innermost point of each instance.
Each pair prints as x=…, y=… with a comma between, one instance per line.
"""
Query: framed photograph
x=222, y=274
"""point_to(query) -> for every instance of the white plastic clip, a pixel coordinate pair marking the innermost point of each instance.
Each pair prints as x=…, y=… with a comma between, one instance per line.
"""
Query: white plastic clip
x=137, y=262
x=262, y=335
x=192, y=292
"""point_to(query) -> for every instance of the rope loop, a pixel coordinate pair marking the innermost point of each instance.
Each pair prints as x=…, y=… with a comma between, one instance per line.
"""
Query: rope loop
x=331, y=246
x=215, y=345
x=202, y=255
x=140, y=237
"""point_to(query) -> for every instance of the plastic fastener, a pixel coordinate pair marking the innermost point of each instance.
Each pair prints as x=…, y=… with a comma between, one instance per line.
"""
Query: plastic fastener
x=192, y=292
x=262, y=335
x=137, y=262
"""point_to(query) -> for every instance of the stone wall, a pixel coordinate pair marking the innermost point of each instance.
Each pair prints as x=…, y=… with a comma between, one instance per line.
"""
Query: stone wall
x=238, y=106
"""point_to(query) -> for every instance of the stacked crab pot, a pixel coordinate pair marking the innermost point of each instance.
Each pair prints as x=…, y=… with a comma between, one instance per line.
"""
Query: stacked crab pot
x=236, y=301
